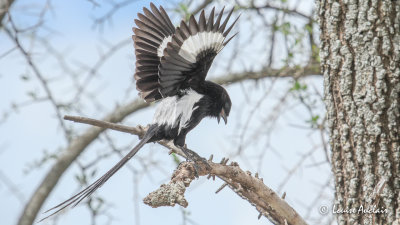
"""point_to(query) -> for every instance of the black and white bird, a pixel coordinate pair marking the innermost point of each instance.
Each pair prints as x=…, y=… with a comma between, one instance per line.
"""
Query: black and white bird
x=171, y=66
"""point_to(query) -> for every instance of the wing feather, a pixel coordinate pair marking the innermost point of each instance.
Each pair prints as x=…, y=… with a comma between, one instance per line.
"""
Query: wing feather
x=210, y=22
x=216, y=25
x=185, y=31
x=166, y=18
x=202, y=21
x=155, y=20
x=148, y=83
x=222, y=27
x=194, y=28
x=146, y=36
x=189, y=55
x=163, y=19
x=146, y=24
x=153, y=31
x=230, y=27
x=150, y=96
x=177, y=62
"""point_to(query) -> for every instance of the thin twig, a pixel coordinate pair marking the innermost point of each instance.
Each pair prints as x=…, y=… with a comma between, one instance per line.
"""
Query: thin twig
x=41, y=79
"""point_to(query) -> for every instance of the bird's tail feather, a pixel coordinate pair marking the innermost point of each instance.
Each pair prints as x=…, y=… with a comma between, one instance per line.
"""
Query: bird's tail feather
x=74, y=200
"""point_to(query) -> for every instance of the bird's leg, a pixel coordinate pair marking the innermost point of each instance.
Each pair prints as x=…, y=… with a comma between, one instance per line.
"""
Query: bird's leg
x=189, y=157
x=179, y=142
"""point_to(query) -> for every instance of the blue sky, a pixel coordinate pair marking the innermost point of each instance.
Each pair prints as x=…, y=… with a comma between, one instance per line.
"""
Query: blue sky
x=33, y=129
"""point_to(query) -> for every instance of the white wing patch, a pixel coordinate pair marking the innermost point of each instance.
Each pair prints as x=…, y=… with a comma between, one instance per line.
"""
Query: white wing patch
x=171, y=108
x=160, y=50
x=200, y=42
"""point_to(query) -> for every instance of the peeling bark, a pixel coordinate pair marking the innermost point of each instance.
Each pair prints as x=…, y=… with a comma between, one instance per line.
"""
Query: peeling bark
x=360, y=61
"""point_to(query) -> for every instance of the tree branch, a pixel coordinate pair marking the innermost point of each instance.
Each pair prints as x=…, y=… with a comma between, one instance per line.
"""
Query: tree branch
x=250, y=188
x=295, y=72
x=286, y=10
x=79, y=143
x=41, y=78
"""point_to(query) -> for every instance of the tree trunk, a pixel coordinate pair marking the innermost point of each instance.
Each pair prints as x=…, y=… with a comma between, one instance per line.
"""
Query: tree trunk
x=360, y=61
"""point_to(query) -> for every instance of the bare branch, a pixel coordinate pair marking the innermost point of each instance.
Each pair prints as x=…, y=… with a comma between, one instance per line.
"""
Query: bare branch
x=139, y=130
x=295, y=72
x=252, y=189
x=286, y=10
x=108, y=125
x=97, y=66
x=42, y=80
x=108, y=16
x=14, y=189
x=266, y=201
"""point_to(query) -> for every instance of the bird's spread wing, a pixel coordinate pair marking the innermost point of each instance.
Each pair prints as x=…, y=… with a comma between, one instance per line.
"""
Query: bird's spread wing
x=189, y=55
x=154, y=30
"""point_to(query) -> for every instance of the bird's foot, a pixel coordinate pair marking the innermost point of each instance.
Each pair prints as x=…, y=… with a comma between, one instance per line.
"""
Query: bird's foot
x=194, y=157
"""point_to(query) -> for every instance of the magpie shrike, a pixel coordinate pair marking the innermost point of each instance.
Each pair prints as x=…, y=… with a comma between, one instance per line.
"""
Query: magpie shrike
x=171, y=66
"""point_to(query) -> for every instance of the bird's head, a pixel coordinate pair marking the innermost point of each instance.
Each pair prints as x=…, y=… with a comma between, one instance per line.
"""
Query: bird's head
x=225, y=106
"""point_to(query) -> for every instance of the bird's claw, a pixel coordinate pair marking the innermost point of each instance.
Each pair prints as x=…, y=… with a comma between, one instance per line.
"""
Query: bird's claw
x=192, y=156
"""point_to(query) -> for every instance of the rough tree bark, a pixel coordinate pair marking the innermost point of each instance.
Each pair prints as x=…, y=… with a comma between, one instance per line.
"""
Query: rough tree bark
x=360, y=61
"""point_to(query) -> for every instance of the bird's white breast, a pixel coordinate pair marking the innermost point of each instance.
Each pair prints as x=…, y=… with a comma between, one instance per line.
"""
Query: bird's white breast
x=174, y=111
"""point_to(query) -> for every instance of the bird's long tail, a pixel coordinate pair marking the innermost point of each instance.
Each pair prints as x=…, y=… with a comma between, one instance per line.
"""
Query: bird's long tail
x=74, y=200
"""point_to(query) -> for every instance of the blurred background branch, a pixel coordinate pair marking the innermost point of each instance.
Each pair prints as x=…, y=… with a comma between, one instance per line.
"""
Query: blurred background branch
x=5, y=5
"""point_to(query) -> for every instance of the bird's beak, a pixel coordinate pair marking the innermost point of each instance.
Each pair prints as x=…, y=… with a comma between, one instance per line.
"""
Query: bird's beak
x=223, y=115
